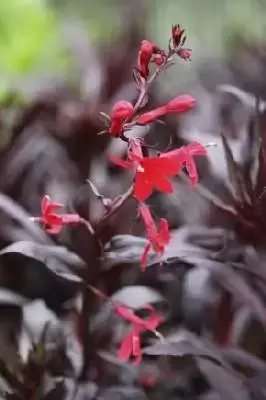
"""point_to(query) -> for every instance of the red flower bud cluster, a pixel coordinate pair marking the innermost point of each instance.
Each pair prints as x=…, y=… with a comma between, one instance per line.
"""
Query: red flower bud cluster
x=148, y=53
x=130, y=345
x=178, y=40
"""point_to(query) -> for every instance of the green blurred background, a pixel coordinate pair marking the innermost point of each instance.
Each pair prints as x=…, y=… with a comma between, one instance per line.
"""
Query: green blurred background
x=31, y=39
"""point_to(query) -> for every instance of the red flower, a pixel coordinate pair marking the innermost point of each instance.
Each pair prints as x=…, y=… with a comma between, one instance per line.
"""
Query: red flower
x=130, y=345
x=179, y=39
x=146, y=51
x=181, y=103
x=183, y=156
x=158, y=59
x=178, y=35
x=158, y=239
x=151, y=172
x=184, y=53
x=121, y=111
x=53, y=222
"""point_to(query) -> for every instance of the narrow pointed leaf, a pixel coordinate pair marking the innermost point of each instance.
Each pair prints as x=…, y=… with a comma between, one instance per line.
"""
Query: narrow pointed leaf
x=235, y=175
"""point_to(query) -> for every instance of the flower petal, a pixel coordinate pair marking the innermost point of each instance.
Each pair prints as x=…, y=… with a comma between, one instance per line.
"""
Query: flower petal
x=116, y=127
x=159, y=181
x=70, y=218
x=163, y=165
x=164, y=234
x=126, y=347
x=142, y=188
x=136, y=349
x=53, y=229
x=127, y=314
x=53, y=219
x=153, y=320
x=163, y=184
x=143, y=261
x=151, y=116
x=45, y=203
x=196, y=148
x=181, y=103
x=122, y=109
x=135, y=151
x=120, y=162
x=148, y=220
x=192, y=171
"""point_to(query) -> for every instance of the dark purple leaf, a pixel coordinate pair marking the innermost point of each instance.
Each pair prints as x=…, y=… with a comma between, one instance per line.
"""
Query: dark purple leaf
x=224, y=318
x=40, y=271
x=57, y=393
x=180, y=348
x=206, y=360
x=58, y=259
x=229, y=386
x=234, y=283
x=241, y=357
x=123, y=393
x=237, y=286
x=235, y=175
x=124, y=249
x=128, y=249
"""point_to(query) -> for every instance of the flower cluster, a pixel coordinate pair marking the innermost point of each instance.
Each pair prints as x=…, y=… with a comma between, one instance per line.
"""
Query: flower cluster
x=53, y=222
x=150, y=171
x=130, y=345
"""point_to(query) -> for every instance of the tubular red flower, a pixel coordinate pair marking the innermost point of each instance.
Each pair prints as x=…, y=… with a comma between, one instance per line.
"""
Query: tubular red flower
x=158, y=59
x=121, y=111
x=53, y=223
x=178, y=35
x=151, y=172
x=184, y=53
x=147, y=49
x=179, y=39
x=181, y=103
x=183, y=156
x=158, y=239
x=131, y=345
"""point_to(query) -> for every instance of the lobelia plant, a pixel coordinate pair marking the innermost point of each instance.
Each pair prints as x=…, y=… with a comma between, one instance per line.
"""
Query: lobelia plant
x=150, y=173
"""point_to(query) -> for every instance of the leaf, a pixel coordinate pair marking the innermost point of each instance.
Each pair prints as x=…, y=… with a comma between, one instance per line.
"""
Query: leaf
x=27, y=28
x=37, y=318
x=15, y=212
x=123, y=393
x=243, y=358
x=248, y=99
x=197, y=296
x=179, y=348
x=234, y=284
x=124, y=249
x=128, y=249
x=40, y=271
x=252, y=152
x=227, y=385
x=57, y=393
x=235, y=175
x=224, y=318
x=137, y=296
x=12, y=298
x=57, y=258
x=257, y=384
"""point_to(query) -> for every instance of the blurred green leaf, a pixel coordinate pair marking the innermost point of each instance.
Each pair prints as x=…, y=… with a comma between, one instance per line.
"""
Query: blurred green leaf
x=28, y=38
